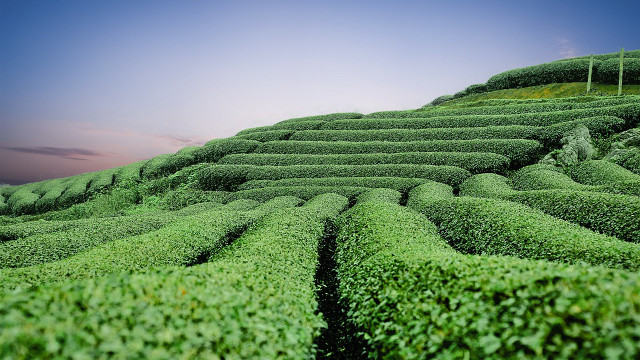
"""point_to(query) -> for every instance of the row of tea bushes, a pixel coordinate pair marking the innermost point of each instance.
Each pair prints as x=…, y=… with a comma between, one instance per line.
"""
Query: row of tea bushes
x=496, y=227
x=629, y=112
x=604, y=71
x=256, y=300
x=229, y=177
x=395, y=183
x=509, y=107
x=182, y=243
x=410, y=295
x=37, y=242
x=537, y=177
x=548, y=135
x=285, y=125
x=463, y=133
x=520, y=151
x=303, y=192
x=513, y=107
x=474, y=162
x=611, y=214
x=601, y=172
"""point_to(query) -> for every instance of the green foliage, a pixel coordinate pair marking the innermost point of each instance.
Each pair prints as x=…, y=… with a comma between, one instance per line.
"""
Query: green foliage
x=628, y=111
x=496, y=227
x=554, y=72
x=489, y=132
x=396, y=183
x=287, y=125
x=609, y=70
x=411, y=296
x=440, y=99
x=76, y=191
x=3, y=205
x=206, y=311
x=269, y=135
x=23, y=201
x=229, y=177
x=601, y=172
x=599, y=126
x=513, y=106
x=610, y=214
x=518, y=150
x=130, y=172
x=51, y=193
x=381, y=194
x=84, y=235
x=475, y=162
x=324, y=118
x=101, y=181
x=216, y=149
x=187, y=242
x=547, y=178
x=303, y=192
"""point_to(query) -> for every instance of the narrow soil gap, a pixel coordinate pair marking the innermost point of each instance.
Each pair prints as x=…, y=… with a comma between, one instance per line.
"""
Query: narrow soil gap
x=405, y=198
x=228, y=239
x=338, y=340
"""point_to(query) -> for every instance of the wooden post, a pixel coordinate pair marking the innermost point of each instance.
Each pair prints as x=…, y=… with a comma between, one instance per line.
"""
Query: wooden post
x=620, y=76
x=590, y=72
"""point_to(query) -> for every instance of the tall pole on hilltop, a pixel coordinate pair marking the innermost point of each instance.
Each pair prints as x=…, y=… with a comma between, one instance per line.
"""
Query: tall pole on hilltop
x=590, y=72
x=620, y=75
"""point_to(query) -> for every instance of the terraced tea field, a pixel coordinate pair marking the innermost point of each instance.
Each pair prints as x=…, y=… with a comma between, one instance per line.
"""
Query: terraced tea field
x=497, y=228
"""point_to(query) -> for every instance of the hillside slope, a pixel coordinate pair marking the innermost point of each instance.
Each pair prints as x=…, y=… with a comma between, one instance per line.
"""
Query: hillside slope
x=482, y=227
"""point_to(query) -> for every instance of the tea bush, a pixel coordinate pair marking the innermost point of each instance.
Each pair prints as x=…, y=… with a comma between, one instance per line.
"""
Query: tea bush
x=475, y=162
x=396, y=183
x=411, y=296
x=496, y=227
x=229, y=177
x=611, y=214
x=255, y=300
x=518, y=150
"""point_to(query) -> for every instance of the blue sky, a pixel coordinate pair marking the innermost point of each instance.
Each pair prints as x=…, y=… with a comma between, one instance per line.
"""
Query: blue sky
x=88, y=85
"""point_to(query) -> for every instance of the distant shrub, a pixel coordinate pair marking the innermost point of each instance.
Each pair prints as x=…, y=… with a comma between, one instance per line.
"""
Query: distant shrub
x=287, y=125
x=131, y=171
x=327, y=117
x=216, y=149
x=269, y=135
x=440, y=99
x=554, y=72
x=609, y=71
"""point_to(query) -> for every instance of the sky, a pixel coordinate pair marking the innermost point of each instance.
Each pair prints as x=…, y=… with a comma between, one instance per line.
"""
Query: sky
x=89, y=85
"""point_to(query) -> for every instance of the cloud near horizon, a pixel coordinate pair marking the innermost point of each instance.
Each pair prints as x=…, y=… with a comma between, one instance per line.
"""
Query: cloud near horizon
x=65, y=153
